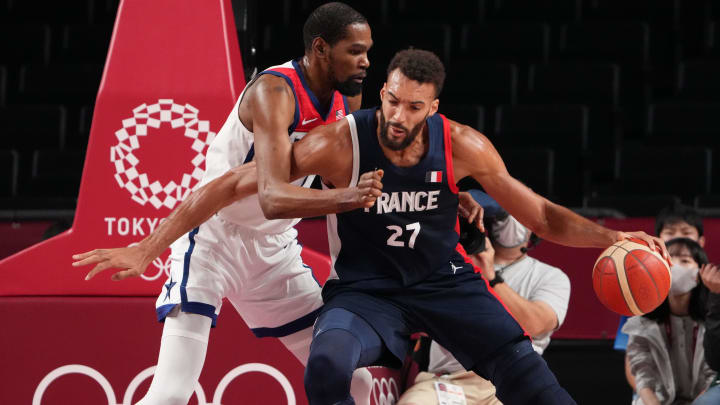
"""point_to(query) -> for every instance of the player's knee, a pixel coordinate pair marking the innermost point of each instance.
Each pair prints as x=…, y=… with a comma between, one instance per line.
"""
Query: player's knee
x=323, y=370
x=518, y=365
x=333, y=357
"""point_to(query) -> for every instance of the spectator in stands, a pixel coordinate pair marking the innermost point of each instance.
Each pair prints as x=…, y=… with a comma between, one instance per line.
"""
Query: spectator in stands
x=536, y=294
x=710, y=275
x=675, y=221
x=680, y=221
x=665, y=347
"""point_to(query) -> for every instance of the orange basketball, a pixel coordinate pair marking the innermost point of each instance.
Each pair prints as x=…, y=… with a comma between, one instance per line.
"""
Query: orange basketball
x=631, y=279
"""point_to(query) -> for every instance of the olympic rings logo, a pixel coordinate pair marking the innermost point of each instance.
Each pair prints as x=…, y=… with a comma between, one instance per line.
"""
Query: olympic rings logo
x=148, y=372
x=140, y=187
x=385, y=391
x=163, y=267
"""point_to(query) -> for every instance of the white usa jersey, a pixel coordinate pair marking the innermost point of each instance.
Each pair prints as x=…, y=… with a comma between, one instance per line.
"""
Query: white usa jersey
x=234, y=146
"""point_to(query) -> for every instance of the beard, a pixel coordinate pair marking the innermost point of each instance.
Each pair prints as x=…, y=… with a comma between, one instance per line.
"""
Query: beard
x=409, y=138
x=349, y=87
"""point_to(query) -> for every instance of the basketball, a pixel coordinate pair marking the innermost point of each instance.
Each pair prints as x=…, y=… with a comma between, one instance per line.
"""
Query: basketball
x=630, y=278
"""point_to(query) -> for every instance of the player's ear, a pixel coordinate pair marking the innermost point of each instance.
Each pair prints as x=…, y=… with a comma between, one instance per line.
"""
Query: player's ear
x=434, y=106
x=320, y=48
x=383, y=91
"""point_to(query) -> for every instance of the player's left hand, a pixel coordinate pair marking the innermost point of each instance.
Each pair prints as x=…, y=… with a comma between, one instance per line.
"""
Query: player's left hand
x=470, y=209
x=653, y=242
x=710, y=274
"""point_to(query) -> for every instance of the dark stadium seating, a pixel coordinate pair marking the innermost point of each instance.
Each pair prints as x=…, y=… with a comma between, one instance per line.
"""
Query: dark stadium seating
x=533, y=166
x=54, y=12
x=683, y=123
x=32, y=126
x=489, y=84
x=641, y=72
x=467, y=114
x=26, y=43
x=564, y=128
x=432, y=36
x=617, y=41
x=511, y=42
x=698, y=81
x=538, y=10
x=579, y=82
x=9, y=168
x=83, y=43
x=3, y=85
x=69, y=84
x=54, y=173
x=461, y=11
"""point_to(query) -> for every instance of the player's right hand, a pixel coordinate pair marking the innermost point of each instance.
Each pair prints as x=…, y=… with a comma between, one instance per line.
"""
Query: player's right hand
x=369, y=188
x=133, y=260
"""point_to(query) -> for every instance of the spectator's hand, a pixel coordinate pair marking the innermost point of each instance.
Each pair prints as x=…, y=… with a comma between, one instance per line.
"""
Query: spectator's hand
x=487, y=260
x=655, y=243
x=710, y=275
x=134, y=260
x=470, y=209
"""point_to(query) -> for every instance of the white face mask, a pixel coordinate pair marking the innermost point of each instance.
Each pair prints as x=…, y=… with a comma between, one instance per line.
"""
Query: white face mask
x=684, y=279
x=509, y=233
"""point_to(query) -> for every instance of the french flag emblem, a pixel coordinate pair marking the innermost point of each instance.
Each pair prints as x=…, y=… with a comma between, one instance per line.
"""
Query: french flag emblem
x=433, y=177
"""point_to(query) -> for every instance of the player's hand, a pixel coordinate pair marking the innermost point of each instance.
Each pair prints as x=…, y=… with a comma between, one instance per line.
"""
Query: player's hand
x=653, y=242
x=487, y=260
x=368, y=189
x=132, y=260
x=710, y=275
x=470, y=209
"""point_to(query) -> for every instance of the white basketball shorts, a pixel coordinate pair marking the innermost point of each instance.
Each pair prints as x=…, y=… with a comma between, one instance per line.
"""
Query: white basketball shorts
x=262, y=275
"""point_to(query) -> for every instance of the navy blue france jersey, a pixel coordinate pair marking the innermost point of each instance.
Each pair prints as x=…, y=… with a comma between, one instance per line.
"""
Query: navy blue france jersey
x=410, y=232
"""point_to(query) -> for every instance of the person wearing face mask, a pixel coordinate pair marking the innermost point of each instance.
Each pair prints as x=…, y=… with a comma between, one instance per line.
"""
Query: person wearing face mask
x=536, y=293
x=674, y=221
x=710, y=275
x=665, y=347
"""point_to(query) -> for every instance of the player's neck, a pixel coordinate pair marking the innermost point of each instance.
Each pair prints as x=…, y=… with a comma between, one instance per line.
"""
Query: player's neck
x=679, y=304
x=316, y=79
x=505, y=256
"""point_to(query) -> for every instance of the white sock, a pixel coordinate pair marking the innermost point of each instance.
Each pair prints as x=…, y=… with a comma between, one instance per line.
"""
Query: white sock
x=182, y=355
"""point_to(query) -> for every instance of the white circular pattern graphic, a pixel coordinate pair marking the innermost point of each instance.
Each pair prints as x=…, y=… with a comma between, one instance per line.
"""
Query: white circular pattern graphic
x=150, y=371
x=141, y=188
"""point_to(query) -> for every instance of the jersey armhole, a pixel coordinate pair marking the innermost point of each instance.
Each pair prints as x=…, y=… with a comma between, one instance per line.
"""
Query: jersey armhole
x=296, y=119
x=356, y=150
x=448, y=155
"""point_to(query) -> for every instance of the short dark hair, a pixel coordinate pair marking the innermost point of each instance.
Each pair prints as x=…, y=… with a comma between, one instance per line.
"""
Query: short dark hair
x=330, y=22
x=421, y=66
x=698, y=295
x=678, y=213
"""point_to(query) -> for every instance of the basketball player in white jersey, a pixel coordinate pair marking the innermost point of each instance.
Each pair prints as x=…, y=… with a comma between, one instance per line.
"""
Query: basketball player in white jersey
x=238, y=254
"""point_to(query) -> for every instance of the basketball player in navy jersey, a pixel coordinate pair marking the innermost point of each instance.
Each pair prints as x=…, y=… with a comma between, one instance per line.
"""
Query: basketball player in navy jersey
x=397, y=266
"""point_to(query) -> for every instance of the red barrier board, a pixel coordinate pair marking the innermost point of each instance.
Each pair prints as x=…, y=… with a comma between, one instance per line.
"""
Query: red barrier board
x=101, y=350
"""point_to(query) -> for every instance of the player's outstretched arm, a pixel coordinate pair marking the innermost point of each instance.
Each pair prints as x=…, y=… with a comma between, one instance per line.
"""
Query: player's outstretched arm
x=474, y=155
x=200, y=205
